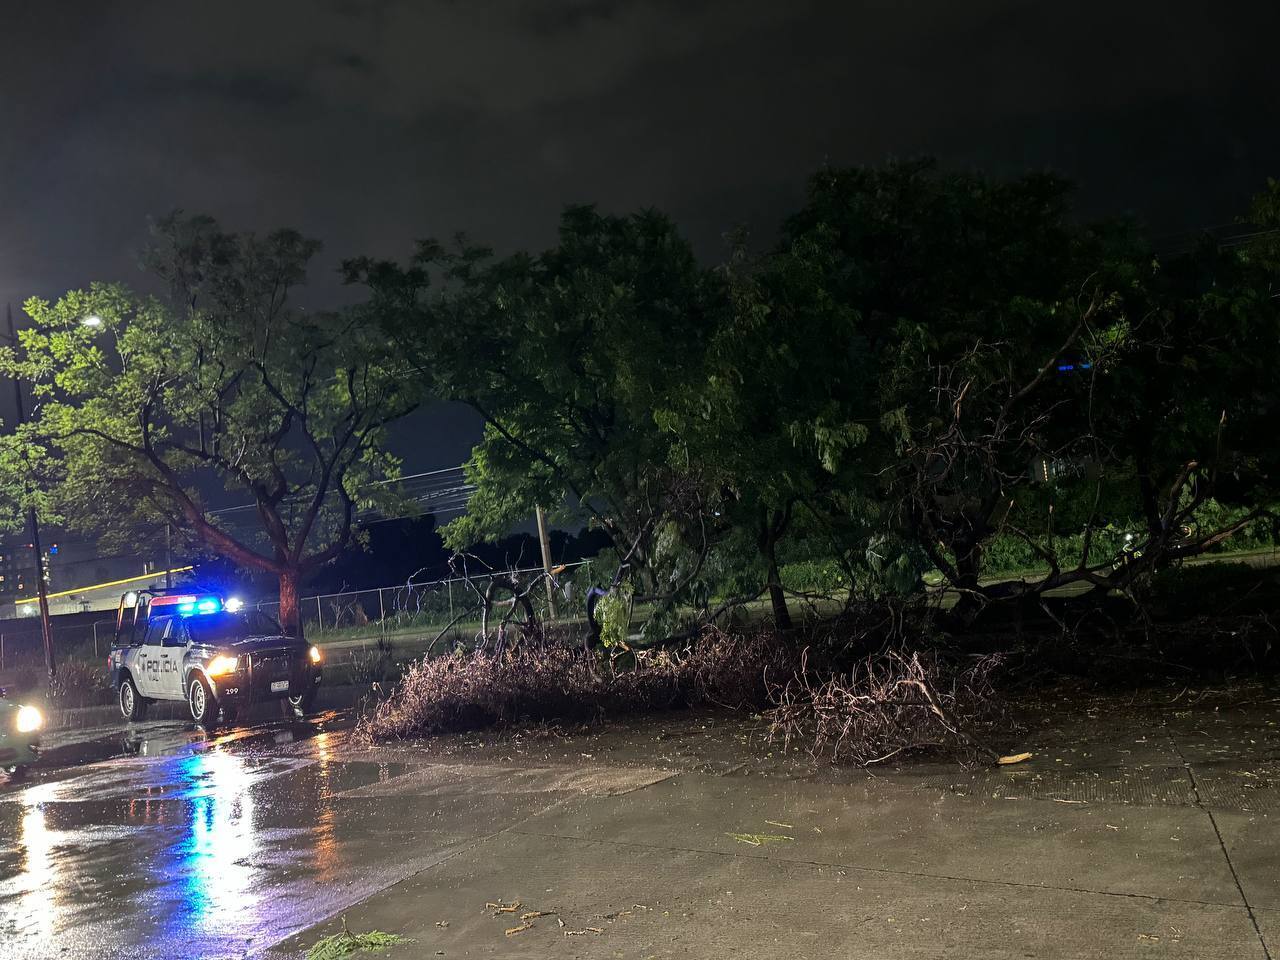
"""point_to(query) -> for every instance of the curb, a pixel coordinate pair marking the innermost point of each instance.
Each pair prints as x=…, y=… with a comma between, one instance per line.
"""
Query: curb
x=341, y=697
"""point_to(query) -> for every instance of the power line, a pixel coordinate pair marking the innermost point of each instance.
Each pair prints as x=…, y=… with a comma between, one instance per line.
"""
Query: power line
x=424, y=492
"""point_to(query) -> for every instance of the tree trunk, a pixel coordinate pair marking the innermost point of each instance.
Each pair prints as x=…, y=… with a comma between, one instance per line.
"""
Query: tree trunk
x=771, y=529
x=968, y=555
x=968, y=563
x=781, y=615
x=290, y=614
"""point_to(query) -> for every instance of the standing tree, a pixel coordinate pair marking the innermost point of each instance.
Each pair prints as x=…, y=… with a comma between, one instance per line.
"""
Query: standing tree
x=150, y=410
x=571, y=357
x=1192, y=406
x=966, y=296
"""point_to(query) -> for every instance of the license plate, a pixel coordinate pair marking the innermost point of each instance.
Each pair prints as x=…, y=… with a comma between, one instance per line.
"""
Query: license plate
x=279, y=686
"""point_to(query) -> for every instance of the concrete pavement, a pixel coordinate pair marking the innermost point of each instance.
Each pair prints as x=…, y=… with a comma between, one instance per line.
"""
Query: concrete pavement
x=1059, y=858
x=1136, y=831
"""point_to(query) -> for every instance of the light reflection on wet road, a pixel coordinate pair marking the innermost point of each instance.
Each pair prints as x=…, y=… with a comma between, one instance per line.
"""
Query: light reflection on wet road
x=161, y=841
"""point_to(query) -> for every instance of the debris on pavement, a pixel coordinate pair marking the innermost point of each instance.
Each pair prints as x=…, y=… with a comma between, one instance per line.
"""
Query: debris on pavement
x=512, y=931
x=1014, y=758
x=584, y=931
x=345, y=944
x=775, y=823
x=499, y=907
x=759, y=839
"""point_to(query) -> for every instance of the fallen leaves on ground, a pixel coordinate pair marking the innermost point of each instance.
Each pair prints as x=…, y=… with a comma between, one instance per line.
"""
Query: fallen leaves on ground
x=1014, y=758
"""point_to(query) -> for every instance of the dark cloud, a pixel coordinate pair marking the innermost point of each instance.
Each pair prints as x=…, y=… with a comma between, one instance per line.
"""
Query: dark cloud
x=369, y=124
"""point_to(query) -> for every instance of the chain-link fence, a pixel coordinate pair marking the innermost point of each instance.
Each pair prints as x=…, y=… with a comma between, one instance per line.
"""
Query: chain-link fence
x=23, y=648
x=413, y=617
x=437, y=613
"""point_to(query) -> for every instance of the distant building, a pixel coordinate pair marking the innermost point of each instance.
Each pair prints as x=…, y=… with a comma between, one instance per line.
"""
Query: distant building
x=77, y=577
x=15, y=573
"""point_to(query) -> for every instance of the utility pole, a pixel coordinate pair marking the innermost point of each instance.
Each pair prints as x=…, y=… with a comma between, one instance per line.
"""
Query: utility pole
x=33, y=523
x=546, y=561
x=168, y=557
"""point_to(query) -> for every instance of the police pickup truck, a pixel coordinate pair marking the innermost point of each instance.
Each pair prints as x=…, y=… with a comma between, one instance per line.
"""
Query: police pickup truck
x=210, y=652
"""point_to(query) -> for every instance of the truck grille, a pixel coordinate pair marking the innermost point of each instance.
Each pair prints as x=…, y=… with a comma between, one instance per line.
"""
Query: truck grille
x=269, y=666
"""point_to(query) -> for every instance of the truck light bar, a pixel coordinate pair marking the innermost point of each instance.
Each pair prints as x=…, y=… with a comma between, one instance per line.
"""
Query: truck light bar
x=189, y=604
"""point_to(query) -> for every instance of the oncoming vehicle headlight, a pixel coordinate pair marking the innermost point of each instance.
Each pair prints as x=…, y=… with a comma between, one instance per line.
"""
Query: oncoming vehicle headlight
x=220, y=665
x=314, y=654
x=29, y=720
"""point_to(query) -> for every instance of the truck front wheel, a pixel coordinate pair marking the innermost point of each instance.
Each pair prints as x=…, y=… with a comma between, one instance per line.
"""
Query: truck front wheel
x=204, y=709
x=302, y=704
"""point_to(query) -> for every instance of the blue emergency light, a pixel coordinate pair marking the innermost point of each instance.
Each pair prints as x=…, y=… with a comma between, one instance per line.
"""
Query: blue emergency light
x=199, y=605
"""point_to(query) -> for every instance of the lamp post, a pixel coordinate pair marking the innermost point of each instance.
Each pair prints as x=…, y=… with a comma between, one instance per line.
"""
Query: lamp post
x=33, y=524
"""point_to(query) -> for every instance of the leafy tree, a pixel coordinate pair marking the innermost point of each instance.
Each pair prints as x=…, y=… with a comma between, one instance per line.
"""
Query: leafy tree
x=571, y=358
x=965, y=295
x=780, y=413
x=1191, y=403
x=224, y=390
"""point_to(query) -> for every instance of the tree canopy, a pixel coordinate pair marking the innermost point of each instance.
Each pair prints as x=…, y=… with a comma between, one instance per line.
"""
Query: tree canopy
x=222, y=393
x=925, y=366
x=927, y=371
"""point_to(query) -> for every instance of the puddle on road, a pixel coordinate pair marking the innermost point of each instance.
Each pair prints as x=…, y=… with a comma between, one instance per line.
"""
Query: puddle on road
x=64, y=751
x=181, y=843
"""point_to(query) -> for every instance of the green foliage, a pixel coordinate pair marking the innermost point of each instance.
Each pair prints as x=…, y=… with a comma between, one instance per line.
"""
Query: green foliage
x=347, y=944
x=824, y=577
x=1009, y=553
x=613, y=613
x=575, y=359
x=868, y=398
x=225, y=385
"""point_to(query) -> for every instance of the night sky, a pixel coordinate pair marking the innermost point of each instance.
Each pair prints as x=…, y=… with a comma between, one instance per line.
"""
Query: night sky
x=371, y=124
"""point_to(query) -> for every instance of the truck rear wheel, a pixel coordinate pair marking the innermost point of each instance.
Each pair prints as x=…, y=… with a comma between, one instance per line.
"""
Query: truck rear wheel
x=132, y=704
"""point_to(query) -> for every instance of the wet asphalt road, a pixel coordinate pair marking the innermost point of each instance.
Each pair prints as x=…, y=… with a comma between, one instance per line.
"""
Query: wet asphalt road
x=1134, y=831
x=161, y=840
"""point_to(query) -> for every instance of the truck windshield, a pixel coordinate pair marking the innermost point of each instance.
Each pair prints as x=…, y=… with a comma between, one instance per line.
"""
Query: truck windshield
x=217, y=628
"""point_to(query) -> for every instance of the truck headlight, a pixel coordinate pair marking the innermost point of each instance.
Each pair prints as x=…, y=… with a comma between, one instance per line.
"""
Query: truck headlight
x=29, y=720
x=220, y=665
x=314, y=654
